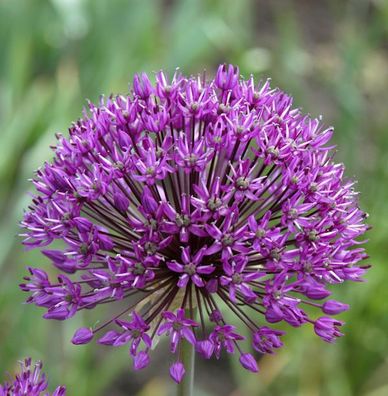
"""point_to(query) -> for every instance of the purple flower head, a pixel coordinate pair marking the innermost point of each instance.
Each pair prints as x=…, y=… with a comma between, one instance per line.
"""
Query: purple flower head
x=186, y=198
x=29, y=381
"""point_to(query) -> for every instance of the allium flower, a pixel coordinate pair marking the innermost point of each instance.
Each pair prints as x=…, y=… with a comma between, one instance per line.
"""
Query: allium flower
x=30, y=381
x=188, y=197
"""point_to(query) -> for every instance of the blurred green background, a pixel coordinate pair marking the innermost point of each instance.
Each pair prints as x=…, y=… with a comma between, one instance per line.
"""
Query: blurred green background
x=331, y=55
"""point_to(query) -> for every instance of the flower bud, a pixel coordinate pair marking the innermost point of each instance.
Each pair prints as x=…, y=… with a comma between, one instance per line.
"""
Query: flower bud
x=333, y=307
x=82, y=336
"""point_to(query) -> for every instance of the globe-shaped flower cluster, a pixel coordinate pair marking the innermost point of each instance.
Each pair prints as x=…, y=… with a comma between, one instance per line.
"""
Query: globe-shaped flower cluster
x=29, y=382
x=187, y=198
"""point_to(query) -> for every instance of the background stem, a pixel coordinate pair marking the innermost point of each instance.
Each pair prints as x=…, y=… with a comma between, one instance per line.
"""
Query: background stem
x=187, y=356
x=185, y=388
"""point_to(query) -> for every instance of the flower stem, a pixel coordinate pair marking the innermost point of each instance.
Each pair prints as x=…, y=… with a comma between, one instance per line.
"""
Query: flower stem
x=185, y=388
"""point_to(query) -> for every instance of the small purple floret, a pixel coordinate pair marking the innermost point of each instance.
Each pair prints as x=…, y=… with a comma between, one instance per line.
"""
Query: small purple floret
x=265, y=339
x=328, y=328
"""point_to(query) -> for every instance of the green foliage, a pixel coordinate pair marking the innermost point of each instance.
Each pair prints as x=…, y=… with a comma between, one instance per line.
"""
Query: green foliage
x=332, y=56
